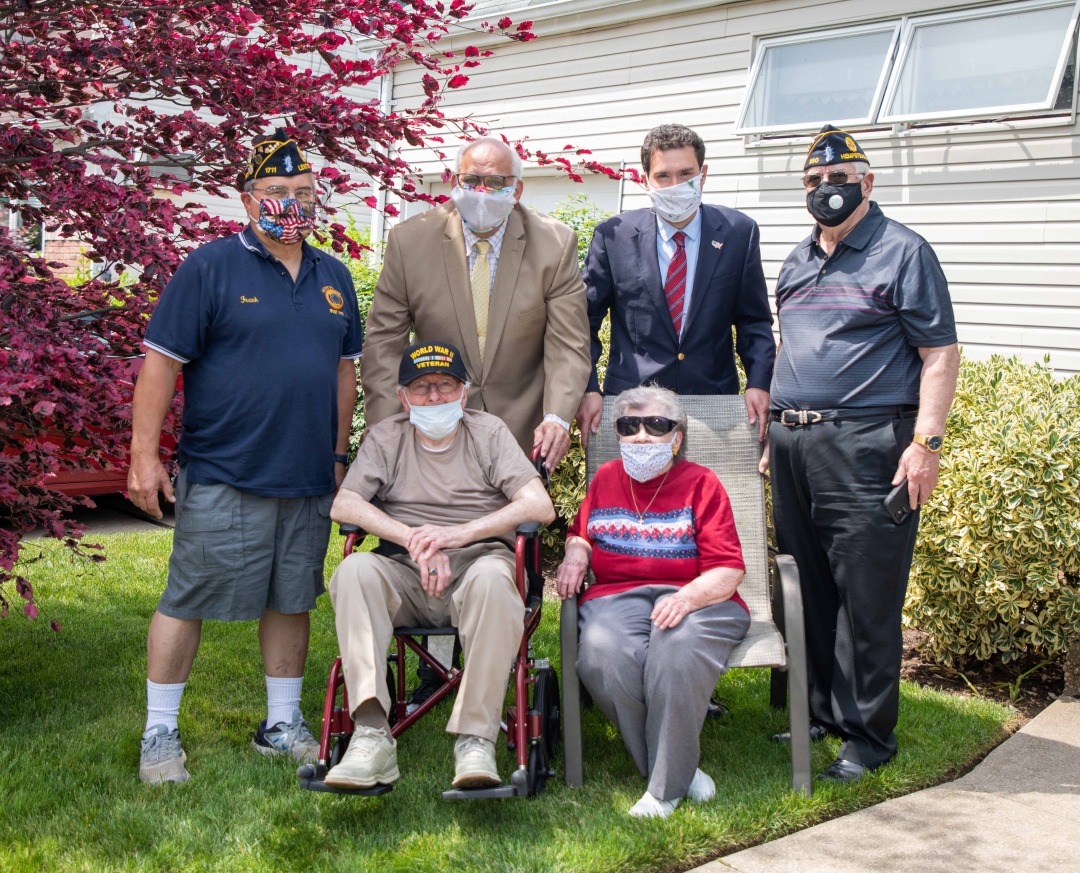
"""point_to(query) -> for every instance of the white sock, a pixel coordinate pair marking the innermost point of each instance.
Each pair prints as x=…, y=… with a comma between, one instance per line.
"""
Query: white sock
x=282, y=699
x=163, y=704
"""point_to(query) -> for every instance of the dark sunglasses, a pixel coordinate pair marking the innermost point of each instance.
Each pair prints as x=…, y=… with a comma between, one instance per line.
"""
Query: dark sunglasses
x=655, y=425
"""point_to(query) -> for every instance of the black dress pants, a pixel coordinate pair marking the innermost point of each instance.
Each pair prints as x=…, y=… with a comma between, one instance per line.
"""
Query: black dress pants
x=828, y=484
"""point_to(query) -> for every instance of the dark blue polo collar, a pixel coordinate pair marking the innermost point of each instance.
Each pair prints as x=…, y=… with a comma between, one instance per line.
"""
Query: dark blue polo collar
x=860, y=235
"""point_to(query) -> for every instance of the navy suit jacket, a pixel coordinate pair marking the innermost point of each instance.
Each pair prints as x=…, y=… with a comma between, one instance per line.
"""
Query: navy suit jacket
x=622, y=275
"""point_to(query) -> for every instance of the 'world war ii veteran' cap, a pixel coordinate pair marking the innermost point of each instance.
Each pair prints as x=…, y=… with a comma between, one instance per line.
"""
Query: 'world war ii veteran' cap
x=833, y=146
x=419, y=359
x=274, y=156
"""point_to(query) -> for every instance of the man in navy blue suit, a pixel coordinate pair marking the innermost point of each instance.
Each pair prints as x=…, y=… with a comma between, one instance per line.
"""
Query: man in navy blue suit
x=676, y=278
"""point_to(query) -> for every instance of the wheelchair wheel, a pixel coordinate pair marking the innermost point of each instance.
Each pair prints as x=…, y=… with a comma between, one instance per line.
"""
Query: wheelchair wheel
x=338, y=751
x=538, y=769
x=546, y=702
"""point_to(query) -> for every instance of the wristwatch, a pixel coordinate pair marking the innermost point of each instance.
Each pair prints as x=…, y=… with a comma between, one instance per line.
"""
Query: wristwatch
x=931, y=441
x=341, y=459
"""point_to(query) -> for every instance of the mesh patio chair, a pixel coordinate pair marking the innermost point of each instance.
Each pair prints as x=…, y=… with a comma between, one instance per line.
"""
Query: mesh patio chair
x=720, y=437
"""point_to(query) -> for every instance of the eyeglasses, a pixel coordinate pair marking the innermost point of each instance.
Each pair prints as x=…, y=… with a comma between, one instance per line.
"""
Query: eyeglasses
x=655, y=425
x=495, y=183
x=813, y=180
x=445, y=387
x=304, y=196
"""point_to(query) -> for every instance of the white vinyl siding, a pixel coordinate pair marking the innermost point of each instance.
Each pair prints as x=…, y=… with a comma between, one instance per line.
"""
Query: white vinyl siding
x=1000, y=203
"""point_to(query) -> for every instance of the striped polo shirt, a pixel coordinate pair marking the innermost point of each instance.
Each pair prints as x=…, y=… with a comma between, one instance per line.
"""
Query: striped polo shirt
x=851, y=324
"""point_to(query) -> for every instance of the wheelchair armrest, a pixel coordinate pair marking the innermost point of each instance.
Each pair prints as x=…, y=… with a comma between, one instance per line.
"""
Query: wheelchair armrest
x=529, y=529
x=350, y=529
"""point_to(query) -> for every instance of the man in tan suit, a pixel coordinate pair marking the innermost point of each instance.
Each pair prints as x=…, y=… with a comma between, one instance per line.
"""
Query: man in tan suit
x=500, y=282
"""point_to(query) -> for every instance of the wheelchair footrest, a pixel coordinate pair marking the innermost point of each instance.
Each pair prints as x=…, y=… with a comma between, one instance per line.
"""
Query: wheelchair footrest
x=481, y=793
x=312, y=778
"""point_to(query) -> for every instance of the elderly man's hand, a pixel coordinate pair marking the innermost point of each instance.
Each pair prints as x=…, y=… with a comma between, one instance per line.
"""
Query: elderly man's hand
x=434, y=573
x=670, y=610
x=430, y=538
x=757, y=410
x=571, y=573
x=589, y=414
x=920, y=467
x=554, y=442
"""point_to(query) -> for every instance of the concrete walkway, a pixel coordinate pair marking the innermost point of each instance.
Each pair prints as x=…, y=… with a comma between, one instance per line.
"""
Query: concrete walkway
x=114, y=514
x=1018, y=810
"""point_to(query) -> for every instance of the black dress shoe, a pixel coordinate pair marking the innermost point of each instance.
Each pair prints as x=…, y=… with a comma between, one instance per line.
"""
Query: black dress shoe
x=817, y=732
x=844, y=771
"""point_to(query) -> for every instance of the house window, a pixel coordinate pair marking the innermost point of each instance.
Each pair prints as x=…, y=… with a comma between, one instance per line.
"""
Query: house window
x=991, y=61
x=1006, y=59
x=802, y=81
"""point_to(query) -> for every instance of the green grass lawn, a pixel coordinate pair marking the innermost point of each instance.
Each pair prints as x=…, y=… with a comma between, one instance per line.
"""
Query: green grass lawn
x=72, y=711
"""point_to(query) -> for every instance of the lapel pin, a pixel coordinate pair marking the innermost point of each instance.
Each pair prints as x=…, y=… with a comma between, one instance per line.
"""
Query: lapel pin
x=716, y=244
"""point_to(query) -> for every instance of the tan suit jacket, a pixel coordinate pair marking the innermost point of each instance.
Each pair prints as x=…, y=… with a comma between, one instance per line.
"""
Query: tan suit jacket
x=537, y=359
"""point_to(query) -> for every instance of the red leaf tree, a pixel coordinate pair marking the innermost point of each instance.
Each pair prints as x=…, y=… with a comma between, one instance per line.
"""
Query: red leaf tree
x=184, y=87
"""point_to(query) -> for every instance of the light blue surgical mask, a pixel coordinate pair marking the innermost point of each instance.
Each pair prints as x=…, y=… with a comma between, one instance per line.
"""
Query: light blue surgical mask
x=436, y=422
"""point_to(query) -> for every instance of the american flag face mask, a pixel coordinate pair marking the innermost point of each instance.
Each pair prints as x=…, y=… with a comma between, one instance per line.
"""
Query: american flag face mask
x=285, y=220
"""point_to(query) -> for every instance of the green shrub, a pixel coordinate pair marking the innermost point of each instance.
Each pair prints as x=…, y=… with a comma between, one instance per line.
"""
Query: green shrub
x=568, y=480
x=997, y=561
x=365, y=273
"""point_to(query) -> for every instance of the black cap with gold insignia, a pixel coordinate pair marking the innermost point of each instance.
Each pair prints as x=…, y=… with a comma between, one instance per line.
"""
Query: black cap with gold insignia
x=422, y=358
x=833, y=146
x=273, y=156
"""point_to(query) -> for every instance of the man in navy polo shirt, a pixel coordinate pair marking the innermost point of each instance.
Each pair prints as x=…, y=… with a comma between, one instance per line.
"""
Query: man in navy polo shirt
x=863, y=383
x=266, y=330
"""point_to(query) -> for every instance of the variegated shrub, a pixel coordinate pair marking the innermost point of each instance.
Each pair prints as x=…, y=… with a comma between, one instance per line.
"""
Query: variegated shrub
x=996, y=573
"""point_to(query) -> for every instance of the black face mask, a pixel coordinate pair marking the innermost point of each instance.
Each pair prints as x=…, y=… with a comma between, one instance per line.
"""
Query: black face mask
x=833, y=204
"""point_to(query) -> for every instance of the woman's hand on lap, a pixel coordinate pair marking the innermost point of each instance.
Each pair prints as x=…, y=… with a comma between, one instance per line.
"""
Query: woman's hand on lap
x=670, y=610
x=572, y=570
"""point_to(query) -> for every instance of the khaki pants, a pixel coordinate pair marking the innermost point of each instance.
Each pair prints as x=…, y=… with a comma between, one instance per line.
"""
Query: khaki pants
x=373, y=594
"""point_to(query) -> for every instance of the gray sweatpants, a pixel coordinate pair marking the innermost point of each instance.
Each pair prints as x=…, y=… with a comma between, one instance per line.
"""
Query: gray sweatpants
x=654, y=685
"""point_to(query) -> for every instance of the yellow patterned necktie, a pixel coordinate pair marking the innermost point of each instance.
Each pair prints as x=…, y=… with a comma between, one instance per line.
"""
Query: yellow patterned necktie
x=481, y=290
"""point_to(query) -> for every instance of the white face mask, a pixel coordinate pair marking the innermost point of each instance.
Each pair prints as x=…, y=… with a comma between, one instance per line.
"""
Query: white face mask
x=483, y=211
x=678, y=202
x=644, y=461
x=436, y=422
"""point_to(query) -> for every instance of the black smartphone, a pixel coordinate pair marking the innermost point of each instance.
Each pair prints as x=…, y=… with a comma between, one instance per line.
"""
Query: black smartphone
x=897, y=503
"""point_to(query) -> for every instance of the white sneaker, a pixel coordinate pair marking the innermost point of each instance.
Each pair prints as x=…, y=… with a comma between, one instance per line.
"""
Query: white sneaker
x=370, y=760
x=474, y=763
x=161, y=759
x=702, y=788
x=650, y=807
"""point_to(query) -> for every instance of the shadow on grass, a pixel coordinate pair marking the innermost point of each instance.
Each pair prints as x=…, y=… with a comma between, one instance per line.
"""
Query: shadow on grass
x=72, y=709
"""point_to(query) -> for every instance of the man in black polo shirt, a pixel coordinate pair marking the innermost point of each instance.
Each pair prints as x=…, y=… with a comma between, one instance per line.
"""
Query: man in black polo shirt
x=863, y=383
x=266, y=330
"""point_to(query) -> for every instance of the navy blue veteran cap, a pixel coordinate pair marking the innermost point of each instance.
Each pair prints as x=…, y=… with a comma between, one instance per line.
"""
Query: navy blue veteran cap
x=273, y=157
x=420, y=359
x=833, y=146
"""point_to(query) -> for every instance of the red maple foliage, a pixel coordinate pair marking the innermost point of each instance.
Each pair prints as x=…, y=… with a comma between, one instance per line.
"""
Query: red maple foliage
x=185, y=86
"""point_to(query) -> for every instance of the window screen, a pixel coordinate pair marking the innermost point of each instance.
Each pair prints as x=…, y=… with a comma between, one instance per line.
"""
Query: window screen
x=809, y=82
x=953, y=66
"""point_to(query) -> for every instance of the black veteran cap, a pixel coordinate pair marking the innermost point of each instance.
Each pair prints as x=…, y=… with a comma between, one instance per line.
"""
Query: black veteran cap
x=274, y=156
x=833, y=146
x=422, y=358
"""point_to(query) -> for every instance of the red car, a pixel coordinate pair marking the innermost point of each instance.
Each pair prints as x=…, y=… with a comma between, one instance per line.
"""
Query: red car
x=111, y=477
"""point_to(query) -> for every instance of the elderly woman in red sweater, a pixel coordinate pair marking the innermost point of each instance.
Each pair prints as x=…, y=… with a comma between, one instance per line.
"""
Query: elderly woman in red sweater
x=658, y=624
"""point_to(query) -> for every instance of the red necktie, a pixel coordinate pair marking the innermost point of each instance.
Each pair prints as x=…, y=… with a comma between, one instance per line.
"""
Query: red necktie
x=675, y=284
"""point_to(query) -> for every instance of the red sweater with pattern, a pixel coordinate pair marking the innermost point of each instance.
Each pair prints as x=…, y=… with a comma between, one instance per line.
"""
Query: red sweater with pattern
x=687, y=529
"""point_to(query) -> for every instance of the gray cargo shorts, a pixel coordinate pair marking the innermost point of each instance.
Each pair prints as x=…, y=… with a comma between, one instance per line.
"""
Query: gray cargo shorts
x=237, y=555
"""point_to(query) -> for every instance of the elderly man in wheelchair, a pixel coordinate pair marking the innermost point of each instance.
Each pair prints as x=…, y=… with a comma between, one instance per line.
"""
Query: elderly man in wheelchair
x=444, y=488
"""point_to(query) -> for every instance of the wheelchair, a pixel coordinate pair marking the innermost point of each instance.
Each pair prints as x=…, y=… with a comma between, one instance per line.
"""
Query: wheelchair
x=531, y=724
